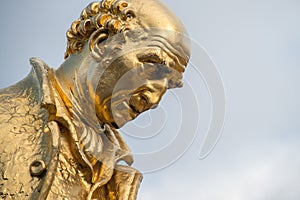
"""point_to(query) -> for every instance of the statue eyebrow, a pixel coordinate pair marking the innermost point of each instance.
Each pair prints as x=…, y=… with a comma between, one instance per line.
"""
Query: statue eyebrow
x=151, y=58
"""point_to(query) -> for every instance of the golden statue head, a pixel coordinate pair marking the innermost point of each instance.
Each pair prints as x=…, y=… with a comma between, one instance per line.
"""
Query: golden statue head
x=137, y=48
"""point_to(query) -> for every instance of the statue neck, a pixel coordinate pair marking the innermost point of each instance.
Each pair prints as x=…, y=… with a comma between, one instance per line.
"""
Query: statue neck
x=66, y=73
x=71, y=85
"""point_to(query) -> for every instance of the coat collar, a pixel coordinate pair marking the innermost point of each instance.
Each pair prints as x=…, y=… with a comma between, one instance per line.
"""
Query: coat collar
x=113, y=147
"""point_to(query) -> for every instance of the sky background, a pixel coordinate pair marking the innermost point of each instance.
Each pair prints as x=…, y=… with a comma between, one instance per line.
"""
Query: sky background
x=256, y=47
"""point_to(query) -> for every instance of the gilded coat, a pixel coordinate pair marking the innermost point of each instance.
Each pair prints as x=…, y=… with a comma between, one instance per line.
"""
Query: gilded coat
x=36, y=158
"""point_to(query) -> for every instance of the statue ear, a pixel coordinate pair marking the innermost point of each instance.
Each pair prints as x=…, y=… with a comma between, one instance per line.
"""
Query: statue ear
x=95, y=41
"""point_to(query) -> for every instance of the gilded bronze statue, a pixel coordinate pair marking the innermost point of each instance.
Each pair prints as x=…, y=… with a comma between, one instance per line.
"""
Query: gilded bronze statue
x=58, y=128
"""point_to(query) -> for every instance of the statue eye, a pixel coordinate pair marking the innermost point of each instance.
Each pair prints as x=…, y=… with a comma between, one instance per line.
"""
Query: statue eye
x=163, y=69
x=154, y=66
x=155, y=71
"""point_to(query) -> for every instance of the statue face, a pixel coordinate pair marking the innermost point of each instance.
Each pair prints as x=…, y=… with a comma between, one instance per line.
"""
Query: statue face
x=133, y=83
x=140, y=63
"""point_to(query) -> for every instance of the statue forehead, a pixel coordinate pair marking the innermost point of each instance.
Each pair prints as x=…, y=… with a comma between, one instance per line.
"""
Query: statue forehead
x=155, y=15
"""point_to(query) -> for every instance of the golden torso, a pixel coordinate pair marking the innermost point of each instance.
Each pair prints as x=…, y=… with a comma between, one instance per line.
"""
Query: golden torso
x=26, y=138
x=37, y=161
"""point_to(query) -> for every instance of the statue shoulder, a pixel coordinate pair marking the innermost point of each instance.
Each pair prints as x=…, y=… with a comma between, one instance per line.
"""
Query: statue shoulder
x=24, y=146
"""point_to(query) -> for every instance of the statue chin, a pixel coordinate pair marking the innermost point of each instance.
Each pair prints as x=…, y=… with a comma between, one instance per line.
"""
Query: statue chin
x=119, y=113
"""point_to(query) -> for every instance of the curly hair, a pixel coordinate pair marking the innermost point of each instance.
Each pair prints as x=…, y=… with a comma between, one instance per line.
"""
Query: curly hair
x=97, y=22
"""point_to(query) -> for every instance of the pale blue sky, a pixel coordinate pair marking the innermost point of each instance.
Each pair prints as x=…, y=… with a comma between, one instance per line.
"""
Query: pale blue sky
x=256, y=46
